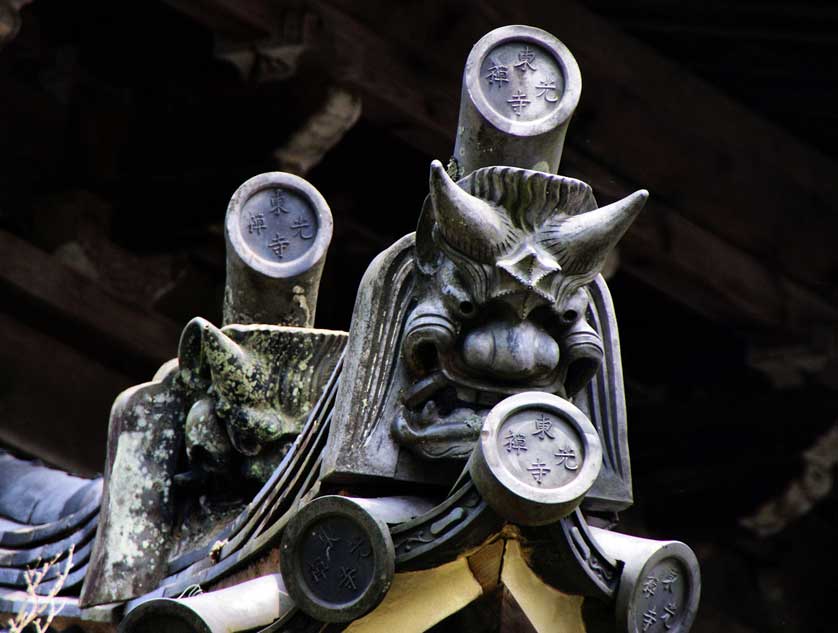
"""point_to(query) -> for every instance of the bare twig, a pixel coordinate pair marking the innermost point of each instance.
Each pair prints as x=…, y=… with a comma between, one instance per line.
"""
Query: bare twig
x=41, y=610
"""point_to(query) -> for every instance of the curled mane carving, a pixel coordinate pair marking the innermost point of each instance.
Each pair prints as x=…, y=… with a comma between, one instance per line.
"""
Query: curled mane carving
x=529, y=198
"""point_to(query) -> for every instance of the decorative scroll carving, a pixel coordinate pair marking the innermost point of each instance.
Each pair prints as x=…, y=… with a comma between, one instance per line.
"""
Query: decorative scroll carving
x=462, y=521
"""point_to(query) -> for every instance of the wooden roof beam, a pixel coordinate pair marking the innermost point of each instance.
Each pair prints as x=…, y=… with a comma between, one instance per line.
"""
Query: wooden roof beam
x=742, y=216
x=73, y=308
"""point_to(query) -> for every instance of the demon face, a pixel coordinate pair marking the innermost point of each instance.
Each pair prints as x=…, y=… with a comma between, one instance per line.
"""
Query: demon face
x=503, y=258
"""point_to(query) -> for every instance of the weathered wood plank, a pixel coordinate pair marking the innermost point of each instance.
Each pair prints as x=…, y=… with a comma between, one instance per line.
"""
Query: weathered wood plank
x=643, y=117
x=74, y=309
x=742, y=216
x=690, y=216
x=707, y=273
x=241, y=20
x=54, y=401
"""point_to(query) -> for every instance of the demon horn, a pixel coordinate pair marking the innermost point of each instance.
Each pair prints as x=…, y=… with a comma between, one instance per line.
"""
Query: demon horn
x=468, y=223
x=582, y=242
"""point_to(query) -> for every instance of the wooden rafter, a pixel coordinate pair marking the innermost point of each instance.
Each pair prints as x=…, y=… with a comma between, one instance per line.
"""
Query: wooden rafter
x=75, y=309
x=742, y=217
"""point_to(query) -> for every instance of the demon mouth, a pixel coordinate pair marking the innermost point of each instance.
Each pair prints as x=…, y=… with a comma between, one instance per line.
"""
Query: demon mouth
x=441, y=419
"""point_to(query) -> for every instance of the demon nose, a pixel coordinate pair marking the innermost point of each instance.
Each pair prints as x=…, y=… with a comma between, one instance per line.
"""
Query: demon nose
x=512, y=350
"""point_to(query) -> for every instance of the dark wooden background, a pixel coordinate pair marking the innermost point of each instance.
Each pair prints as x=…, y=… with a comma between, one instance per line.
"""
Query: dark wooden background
x=125, y=128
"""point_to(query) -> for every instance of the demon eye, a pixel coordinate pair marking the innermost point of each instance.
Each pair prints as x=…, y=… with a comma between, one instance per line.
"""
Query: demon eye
x=573, y=308
x=569, y=316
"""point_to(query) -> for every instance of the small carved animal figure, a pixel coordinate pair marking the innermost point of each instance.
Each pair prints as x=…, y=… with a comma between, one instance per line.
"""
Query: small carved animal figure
x=253, y=386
